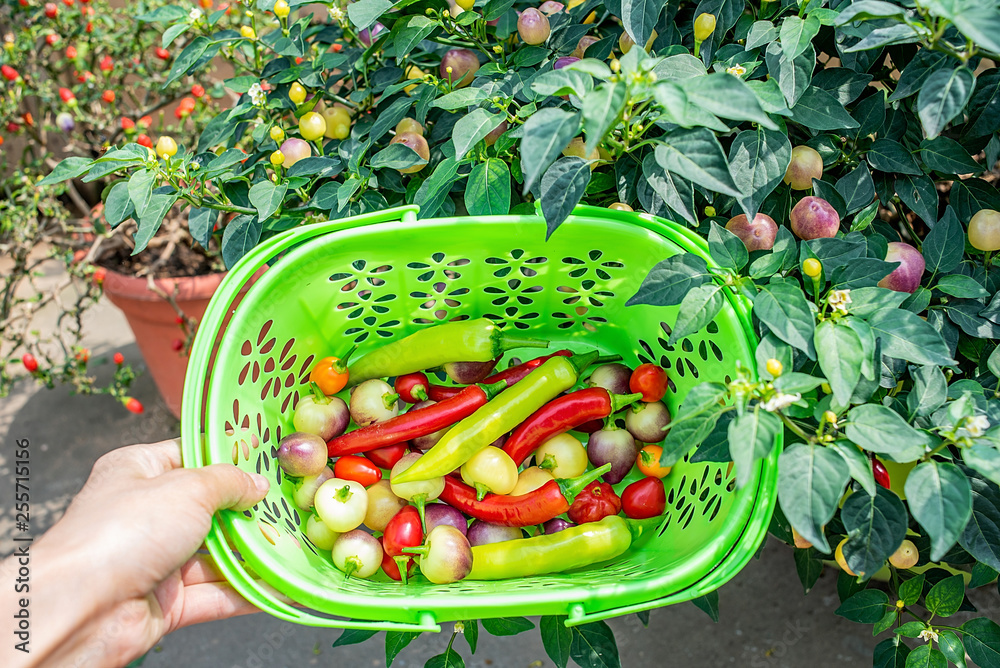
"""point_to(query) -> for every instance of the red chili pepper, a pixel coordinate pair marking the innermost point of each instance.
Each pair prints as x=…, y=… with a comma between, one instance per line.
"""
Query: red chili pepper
x=551, y=499
x=562, y=414
x=415, y=423
x=386, y=458
x=595, y=503
x=880, y=472
x=357, y=468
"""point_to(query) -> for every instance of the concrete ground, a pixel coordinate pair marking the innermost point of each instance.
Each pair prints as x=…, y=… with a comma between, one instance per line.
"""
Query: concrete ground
x=765, y=620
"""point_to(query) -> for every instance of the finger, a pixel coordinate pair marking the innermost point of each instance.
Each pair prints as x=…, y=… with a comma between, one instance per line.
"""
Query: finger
x=211, y=601
x=225, y=486
x=200, y=569
x=146, y=460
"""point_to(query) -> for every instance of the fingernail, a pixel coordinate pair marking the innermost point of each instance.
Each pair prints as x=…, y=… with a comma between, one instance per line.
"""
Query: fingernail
x=263, y=484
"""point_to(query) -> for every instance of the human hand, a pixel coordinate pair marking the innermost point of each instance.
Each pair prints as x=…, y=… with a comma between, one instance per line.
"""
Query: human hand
x=120, y=569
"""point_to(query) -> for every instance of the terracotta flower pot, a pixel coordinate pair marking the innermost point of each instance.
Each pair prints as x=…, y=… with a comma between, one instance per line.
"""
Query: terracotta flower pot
x=154, y=323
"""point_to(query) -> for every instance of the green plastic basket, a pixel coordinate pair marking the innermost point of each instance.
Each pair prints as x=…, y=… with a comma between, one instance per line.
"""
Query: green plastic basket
x=376, y=277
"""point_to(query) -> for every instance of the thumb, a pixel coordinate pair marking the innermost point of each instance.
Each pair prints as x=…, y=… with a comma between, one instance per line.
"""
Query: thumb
x=224, y=486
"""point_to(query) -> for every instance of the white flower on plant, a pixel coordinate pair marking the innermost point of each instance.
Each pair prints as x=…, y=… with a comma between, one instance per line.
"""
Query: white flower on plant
x=336, y=14
x=780, y=401
x=839, y=300
x=257, y=95
x=195, y=14
x=975, y=426
x=929, y=635
x=736, y=70
x=459, y=627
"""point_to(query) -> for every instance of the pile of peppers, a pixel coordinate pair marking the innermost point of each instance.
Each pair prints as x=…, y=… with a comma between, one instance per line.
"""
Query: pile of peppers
x=393, y=492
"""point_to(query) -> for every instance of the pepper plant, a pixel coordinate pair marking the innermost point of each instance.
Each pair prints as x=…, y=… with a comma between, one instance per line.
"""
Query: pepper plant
x=838, y=157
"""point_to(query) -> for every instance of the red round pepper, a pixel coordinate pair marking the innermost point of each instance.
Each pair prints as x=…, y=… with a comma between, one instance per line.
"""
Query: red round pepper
x=880, y=472
x=415, y=423
x=594, y=503
x=644, y=498
x=560, y=415
x=412, y=387
x=650, y=380
x=403, y=530
x=536, y=507
x=386, y=457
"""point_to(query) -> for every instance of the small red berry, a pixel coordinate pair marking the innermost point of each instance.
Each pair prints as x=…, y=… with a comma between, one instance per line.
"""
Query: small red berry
x=90, y=27
x=127, y=124
x=134, y=405
x=119, y=358
x=12, y=127
x=84, y=77
x=68, y=3
x=881, y=473
x=337, y=48
x=108, y=96
x=146, y=121
x=51, y=10
x=28, y=119
x=8, y=72
x=71, y=52
x=66, y=94
x=198, y=90
x=298, y=60
x=100, y=274
x=177, y=345
x=83, y=355
x=144, y=140
x=179, y=320
x=51, y=39
x=29, y=362
x=23, y=3
x=107, y=64
x=162, y=53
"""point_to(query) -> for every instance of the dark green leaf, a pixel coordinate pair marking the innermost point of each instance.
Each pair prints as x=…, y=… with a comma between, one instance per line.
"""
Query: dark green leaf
x=979, y=21
x=911, y=590
x=890, y=653
x=242, y=234
x=488, y=189
x=947, y=156
x=843, y=83
x=940, y=499
x=566, y=81
x=886, y=623
x=546, y=134
x=984, y=106
x=709, y=604
x=866, y=607
x=353, y=636
x=808, y=566
x=266, y=197
x=601, y=109
x=911, y=629
x=472, y=128
x=201, y=224
x=365, y=12
x=797, y=34
x=726, y=96
x=461, y=98
x=676, y=192
x=435, y=189
x=69, y=168
x=140, y=189
x=876, y=525
x=870, y=115
x=149, y=221
x=981, y=573
x=417, y=28
x=685, y=435
x=942, y=98
x=951, y=647
x=389, y=117
x=923, y=64
x=982, y=642
x=188, y=58
x=819, y=110
x=726, y=248
x=866, y=272
x=118, y=206
x=857, y=188
x=919, y=193
x=450, y=659
x=960, y=285
x=881, y=430
x=793, y=75
x=782, y=306
x=889, y=156
x=698, y=308
x=926, y=656
x=563, y=185
x=761, y=33
x=858, y=464
x=556, y=638
x=868, y=9
x=981, y=537
x=930, y=390
x=506, y=626
x=317, y=166
x=906, y=336
x=945, y=597
x=594, y=645
x=971, y=195
x=670, y=280
x=752, y=436
x=944, y=245
x=696, y=155
x=395, y=642
x=810, y=484
x=758, y=160
x=839, y=352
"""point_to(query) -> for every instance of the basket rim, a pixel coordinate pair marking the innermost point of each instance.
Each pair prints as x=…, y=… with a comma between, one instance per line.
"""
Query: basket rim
x=753, y=510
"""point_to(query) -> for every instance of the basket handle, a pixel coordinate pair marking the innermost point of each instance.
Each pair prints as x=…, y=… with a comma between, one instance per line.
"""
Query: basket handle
x=253, y=592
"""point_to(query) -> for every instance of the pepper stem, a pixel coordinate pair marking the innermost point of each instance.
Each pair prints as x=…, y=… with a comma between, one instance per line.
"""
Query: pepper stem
x=481, y=491
x=493, y=389
x=606, y=359
x=343, y=494
x=389, y=400
x=548, y=463
x=620, y=401
x=570, y=487
x=643, y=528
x=420, y=500
x=583, y=360
x=418, y=550
x=340, y=365
x=403, y=564
x=420, y=392
x=503, y=342
x=319, y=396
x=352, y=565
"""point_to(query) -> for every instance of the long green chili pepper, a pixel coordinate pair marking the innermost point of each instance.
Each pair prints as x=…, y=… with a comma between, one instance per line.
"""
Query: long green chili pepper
x=507, y=410
x=477, y=340
x=574, y=547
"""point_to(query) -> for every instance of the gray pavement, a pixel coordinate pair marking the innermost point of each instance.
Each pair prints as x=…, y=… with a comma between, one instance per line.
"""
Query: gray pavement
x=766, y=621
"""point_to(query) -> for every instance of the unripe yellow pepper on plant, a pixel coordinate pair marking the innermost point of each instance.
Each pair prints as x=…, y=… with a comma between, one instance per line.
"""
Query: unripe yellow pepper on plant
x=704, y=26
